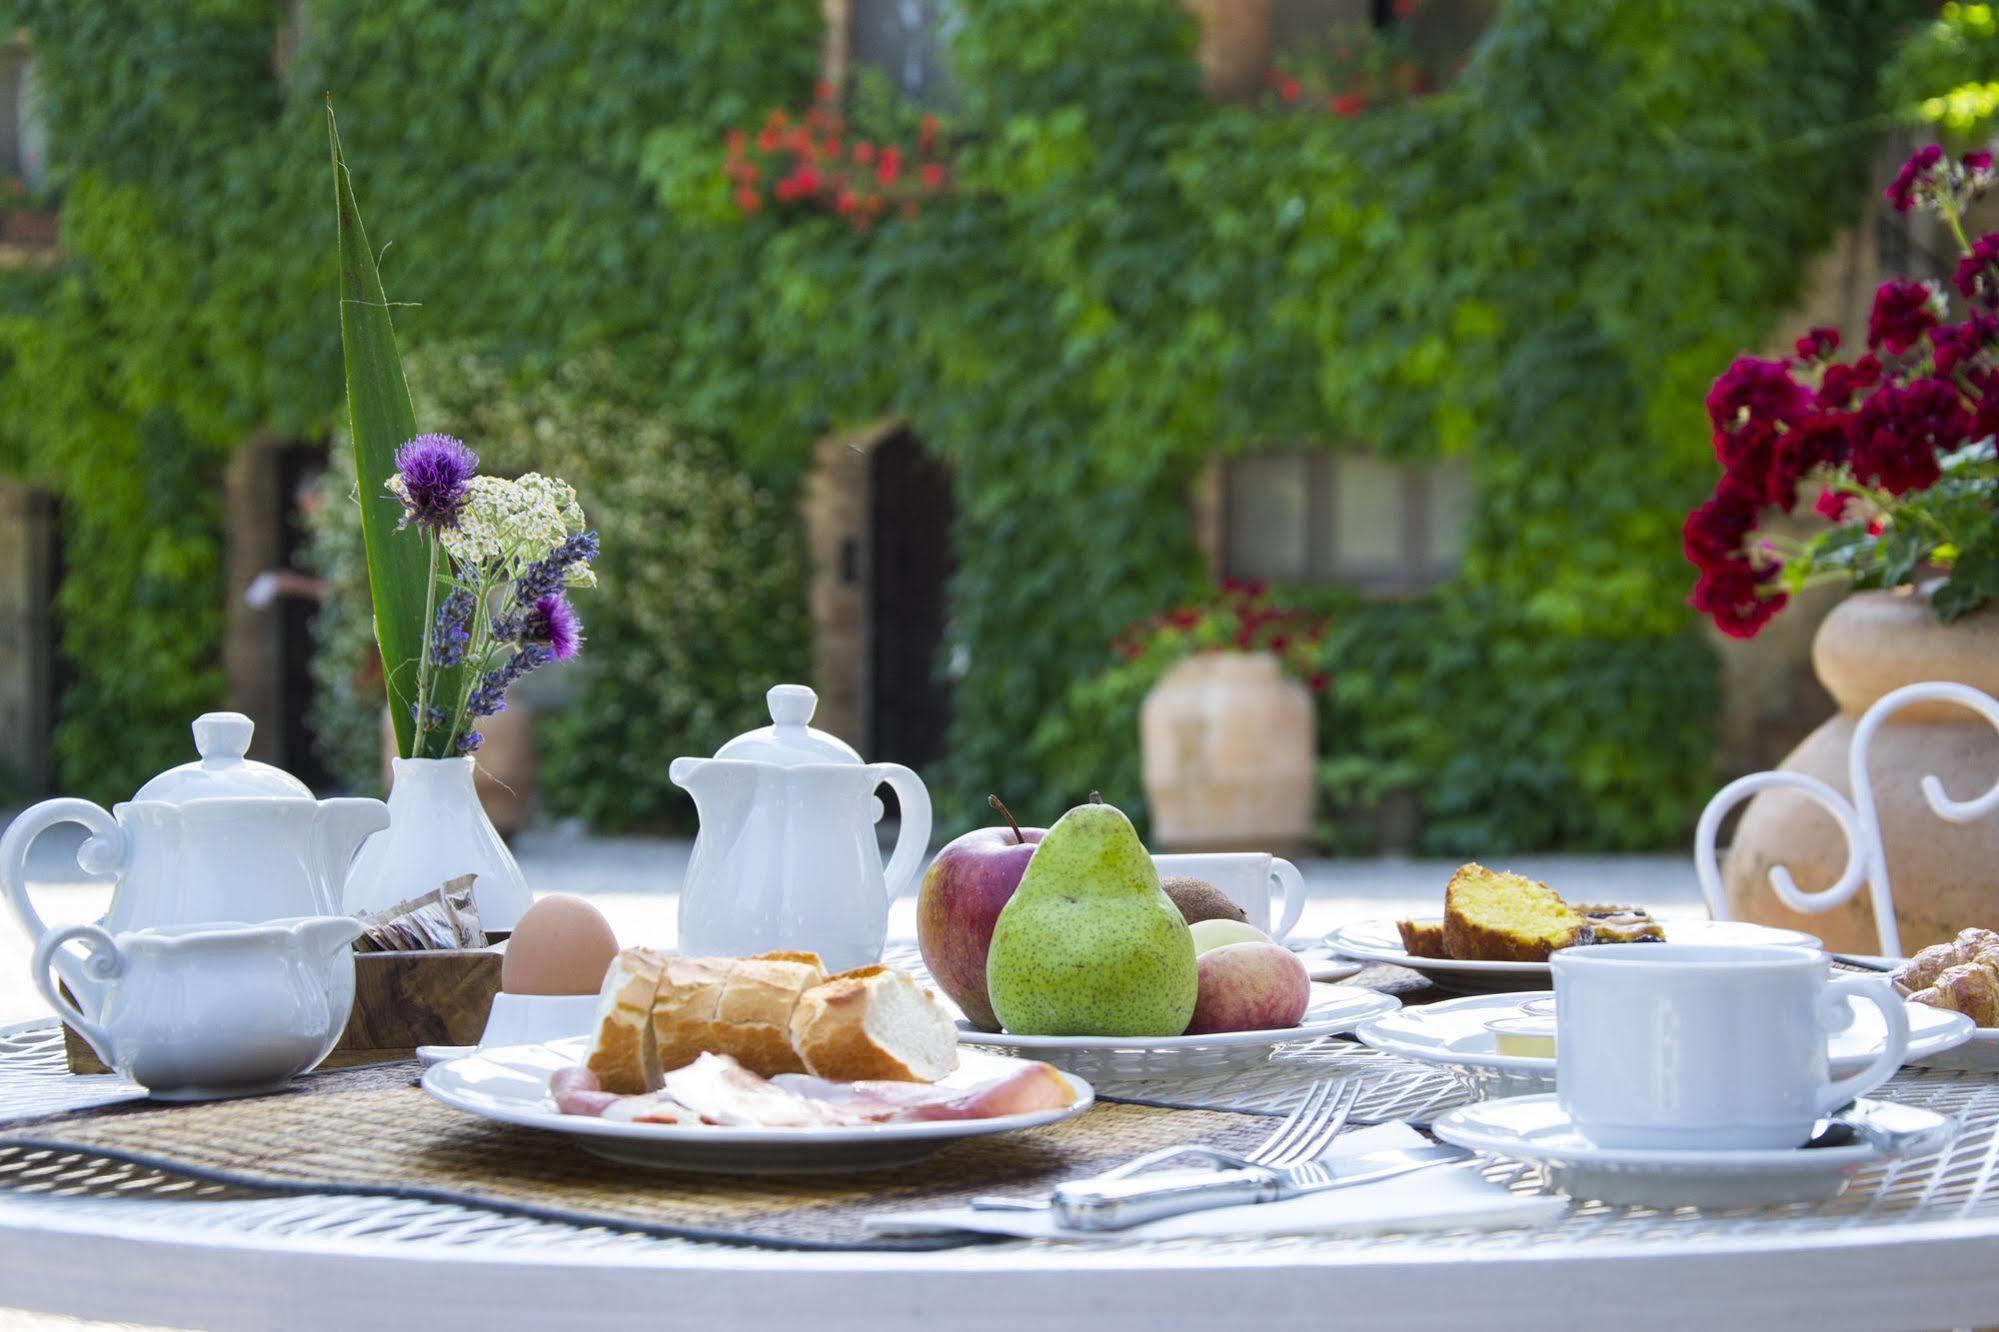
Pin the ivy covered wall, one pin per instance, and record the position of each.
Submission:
(1536, 269)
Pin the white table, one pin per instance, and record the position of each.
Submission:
(1913, 1246)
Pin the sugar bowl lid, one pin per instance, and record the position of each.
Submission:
(788, 741)
(222, 739)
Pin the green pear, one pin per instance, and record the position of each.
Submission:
(1089, 945)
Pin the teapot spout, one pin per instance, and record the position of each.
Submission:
(344, 824)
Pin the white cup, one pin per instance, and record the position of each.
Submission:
(1250, 879)
(1684, 1046)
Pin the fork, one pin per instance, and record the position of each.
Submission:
(1312, 1124)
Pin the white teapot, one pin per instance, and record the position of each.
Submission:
(786, 857)
(221, 839)
(198, 1012)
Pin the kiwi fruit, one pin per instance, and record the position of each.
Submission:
(1200, 900)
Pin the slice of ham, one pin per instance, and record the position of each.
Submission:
(715, 1089)
(577, 1092)
(1022, 1092)
(722, 1091)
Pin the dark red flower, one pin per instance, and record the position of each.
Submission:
(1348, 104)
(1916, 175)
(1756, 392)
(1954, 345)
(1818, 345)
(1832, 504)
(1841, 382)
(889, 166)
(1901, 428)
(932, 176)
(1819, 441)
(1903, 311)
(1288, 89)
(1317, 681)
(1974, 278)
(1713, 534)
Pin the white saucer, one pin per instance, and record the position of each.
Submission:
(1379, 941)
(1978, 1054)
(1535, 1129)
(1453, 1034)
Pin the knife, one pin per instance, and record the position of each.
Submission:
(1117, 1204)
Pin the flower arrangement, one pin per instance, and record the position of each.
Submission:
(1897, 442)
(507, 551)
(1239, 617)
(813, 163)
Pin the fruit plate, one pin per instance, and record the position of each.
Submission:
(1378, 941)
(1332, 1010)
(510, 1085)
(1453, 1034)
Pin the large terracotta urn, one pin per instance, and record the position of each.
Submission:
(1945, 875)
(1229, 745)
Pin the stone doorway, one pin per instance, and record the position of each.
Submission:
(878, 512)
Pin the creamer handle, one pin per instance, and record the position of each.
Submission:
(103, 964)
(103, 853)
(912, 842)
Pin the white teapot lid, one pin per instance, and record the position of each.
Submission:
(222, 739)
(788, 741)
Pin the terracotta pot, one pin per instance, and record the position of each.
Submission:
(505, 774)
(1234, 49)
(1945, 875)
(1229, 748)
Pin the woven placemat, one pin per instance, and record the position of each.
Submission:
(373, 1132)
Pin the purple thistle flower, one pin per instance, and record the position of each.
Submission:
(453, 631)
(551, 621)
(469, 742)
(433, 470)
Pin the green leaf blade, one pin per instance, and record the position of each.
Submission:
(381, 418)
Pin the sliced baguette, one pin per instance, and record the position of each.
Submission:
(733, 1006)
(623, 1054)
(874, 1022)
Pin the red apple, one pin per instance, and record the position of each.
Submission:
(961, 896)
(1249, 987)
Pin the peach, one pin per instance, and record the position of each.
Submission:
(1253, 986)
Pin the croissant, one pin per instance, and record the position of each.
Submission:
(1972, 947)
(1970, 989)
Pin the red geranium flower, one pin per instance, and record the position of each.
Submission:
(1903, 311)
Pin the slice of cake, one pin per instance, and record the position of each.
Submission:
(1422, 938)
(1492, 916)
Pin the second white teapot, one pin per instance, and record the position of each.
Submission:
(786, 857)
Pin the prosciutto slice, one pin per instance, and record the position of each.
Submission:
(715, 1089)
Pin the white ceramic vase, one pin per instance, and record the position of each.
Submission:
(438, 831)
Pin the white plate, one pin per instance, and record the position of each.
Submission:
(1534, 1129)
(1378, 941)
(1332, 1011)
(1452, 1033)
(1978, 1054)
(510, 1085)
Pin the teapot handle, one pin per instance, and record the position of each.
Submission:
(103, 853)
(912, 841)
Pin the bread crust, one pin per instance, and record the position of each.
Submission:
(734, 1006)
(624, 1055)
(831, 1034)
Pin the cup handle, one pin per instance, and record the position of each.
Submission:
(912, 841)
(1285, 873)
(103, 964)
(1879, 992)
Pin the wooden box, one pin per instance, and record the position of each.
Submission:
(401, 1001)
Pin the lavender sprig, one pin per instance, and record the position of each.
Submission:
(550, 574)
(452, 632)
(489, 696)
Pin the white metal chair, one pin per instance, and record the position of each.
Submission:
(1865, 860)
